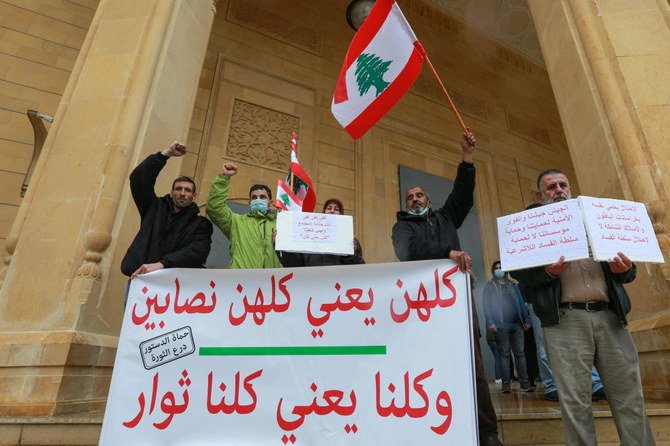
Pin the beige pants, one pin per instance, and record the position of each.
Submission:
(581, 339)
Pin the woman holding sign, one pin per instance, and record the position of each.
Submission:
(296, 259)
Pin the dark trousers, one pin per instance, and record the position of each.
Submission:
(486, 414)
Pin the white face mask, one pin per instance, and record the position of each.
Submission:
(420, 213)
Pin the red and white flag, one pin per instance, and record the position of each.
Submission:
(382, 63)
(301, 197)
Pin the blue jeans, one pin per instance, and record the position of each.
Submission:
(506, 338)
(494, 349)
(543, 361)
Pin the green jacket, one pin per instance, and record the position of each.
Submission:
(250, 234)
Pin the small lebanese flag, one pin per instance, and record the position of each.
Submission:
(382, 63)
(301, 197)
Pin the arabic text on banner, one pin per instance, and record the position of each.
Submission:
(342, 355)
(315, 233)
(617, 226)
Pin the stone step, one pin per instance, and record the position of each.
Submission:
(528, 419)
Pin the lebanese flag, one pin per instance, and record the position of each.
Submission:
(382, 63)
(301, 197)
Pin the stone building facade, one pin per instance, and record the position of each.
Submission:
(233, 78)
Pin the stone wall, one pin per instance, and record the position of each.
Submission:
(271, 69)
(39, 43)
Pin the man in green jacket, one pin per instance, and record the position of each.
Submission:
(250, 234)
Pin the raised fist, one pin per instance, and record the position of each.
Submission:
(228, 169)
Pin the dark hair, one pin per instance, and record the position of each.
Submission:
(543, 174)
(333, 201)
(533, 206)
(184, 179)
(417, 187)
(493, 265)
(261, 186)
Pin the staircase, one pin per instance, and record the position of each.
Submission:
(528, 419)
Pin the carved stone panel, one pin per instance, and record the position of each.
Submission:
(258, 135)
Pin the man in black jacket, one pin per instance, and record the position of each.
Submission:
(172, 234)
(421, 234)
(582, 306)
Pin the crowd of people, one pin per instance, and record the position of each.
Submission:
(575, 310)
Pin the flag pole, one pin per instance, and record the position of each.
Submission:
(294, 144)
(444, 90)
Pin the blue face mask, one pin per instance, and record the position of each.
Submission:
(259, 205)
(498, 273)
(420, 213)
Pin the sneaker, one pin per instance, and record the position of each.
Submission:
(526, 386)
(498, 380)
(551, 395)
(599, 395)
(506, 387)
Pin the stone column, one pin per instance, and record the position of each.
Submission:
(608, 62)
(131, 92)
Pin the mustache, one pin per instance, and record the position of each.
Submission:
(553, 199)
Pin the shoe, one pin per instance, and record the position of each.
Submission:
(489, 440)
(526, 386)
(498, 381)
(551, 395)
(506, 387)
(599, 395)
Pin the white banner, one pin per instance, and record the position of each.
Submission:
(342, 355)
(540, 236)
(617, 226)
(577, 229)
(315, 233)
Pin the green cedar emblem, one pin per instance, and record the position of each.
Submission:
(284, 199)
(370, 70)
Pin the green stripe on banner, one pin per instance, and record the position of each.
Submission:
(294, 351)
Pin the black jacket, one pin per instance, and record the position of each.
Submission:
(544, 292)
(180, 240)
(298, 259)
(434, 236)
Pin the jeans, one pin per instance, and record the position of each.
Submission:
(494, 349)
(511, 337)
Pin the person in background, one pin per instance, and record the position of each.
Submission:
(507, 318)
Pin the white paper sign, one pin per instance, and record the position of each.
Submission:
(330, 356)
(542, 235)
(619, 226)
(315, 233)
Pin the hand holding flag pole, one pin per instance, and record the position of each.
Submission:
(382, 62)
